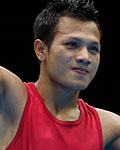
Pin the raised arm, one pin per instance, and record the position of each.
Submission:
(12, 90)
(13, 96)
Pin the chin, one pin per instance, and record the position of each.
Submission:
(75, 85)
(79, 87)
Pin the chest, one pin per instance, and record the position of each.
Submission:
(39, 129)
(48, 133)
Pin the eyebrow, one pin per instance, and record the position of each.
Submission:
(82, 40)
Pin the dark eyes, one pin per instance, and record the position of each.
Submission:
(74, 45)
(71, 45)
(93, 49)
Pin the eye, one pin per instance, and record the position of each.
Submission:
(94, 50)
(71, 45)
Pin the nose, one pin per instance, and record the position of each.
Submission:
(83, 57)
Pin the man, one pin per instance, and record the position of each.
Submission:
(48, 115)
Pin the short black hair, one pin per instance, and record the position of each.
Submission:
(47, 20)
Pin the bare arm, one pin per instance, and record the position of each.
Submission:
(114, 144)
(111, 129)
(13, 92)
(13, 96)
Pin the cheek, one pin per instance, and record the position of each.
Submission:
(57, 66)
(95, 66)
(97, 63)
(61, 59)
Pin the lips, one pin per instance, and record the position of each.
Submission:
(80, 70)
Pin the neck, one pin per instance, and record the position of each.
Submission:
(57, 98)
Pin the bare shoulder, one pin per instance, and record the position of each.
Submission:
(13, 93)
(110, 123)
(108, 117)
(13, 96)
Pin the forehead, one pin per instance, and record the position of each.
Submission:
(69, 26)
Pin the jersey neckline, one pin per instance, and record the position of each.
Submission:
(61, 122)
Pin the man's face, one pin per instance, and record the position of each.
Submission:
(74, 55)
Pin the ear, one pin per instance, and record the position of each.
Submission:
(40, 49)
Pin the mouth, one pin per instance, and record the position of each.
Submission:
(80, 70)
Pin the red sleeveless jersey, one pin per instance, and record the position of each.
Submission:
(40, 130)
